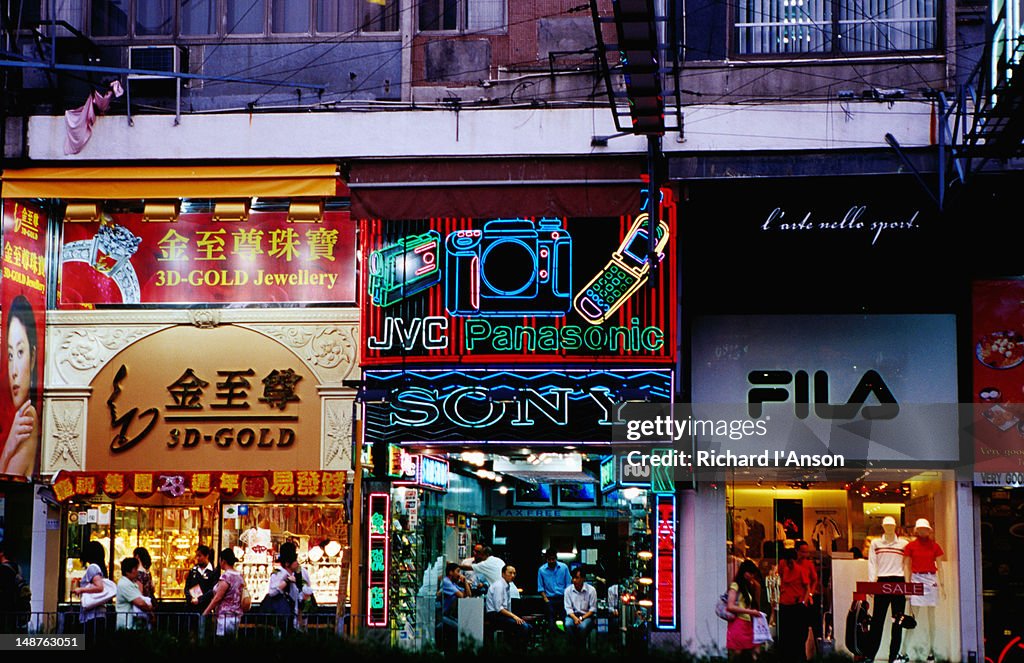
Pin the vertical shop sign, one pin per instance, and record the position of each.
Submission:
(662, 480)
(23, 302)
(665, 563)
(377, 549)
(607, 474)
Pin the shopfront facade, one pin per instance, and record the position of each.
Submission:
(203, 324)
(851, 363)
(504, 347)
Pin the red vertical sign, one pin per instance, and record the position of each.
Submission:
(23, 303)
(665, 566)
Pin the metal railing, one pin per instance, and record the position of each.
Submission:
(188, 626)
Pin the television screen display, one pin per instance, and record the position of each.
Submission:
(533, 495)
(577, 495)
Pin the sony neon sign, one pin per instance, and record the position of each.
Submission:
(504, 405)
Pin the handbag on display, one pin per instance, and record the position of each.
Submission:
(96, 599)
(906, 621)
(858, 627)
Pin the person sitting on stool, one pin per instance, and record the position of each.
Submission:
(580, 608)
(498, 606)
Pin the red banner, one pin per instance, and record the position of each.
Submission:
(248, 485)
(23, 300)
(196, 260)
(905, 588)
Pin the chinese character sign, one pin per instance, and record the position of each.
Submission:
(245, 403)
(379, 517)
(122, 260)
(23, 301)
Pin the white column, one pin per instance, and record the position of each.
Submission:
(45, 571)
(702, 568)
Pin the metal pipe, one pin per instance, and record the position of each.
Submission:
(29, 64)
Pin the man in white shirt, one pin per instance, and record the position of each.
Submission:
(489, 567)
(580, 608)
(498, 606)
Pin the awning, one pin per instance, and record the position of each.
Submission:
(480, 188)
(134, 182)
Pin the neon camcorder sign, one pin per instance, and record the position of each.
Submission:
(468, 290)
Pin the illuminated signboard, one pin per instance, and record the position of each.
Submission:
(498, 406)
(378, 532)
(245, 403)
(514, 289)
(424, 472)
(607, 474)
(634, 474)
(665, 563)
(124, 260)
(23, 303)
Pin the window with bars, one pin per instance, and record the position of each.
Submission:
(460, 15)
(210, 18)
(778, 27)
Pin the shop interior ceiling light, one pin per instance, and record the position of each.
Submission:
(645, 603)
(332, 548)
(645, 554)
(646, 581)
(316, 553)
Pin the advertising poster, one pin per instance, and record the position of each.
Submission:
(197, 260)
(519, 289)
(997, 357)
(23, 303)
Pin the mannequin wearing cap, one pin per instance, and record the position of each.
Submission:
(886, 564)
(920, 563)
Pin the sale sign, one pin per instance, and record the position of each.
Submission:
(196, 260)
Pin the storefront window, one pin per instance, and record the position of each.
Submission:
(831, 527)
(320, 532)
(170, 534)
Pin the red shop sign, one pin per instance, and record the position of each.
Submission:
(196, 260)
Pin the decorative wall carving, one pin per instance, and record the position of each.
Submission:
(65, 437)
(81, 352)
(337, 434)
(204, 318)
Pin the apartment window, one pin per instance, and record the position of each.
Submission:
(378, 16)
(154, 17)
(241, 18)
(770, 27)
(245, 17)
(109, 18)
(461, 15)
(198, 17)
(335, 16)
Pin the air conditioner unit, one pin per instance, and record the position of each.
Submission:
(154, 58)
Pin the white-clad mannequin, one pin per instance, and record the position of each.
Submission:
(920, 561)
(886, 564)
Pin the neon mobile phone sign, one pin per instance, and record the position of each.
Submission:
(515, 289)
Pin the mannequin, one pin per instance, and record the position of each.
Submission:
(920, 562)
(886, 564)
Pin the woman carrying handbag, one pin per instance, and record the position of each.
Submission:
(744, 593)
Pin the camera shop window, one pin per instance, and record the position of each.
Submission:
(835, 27)
(461, 15)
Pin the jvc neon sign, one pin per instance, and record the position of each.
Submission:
(474, 407)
